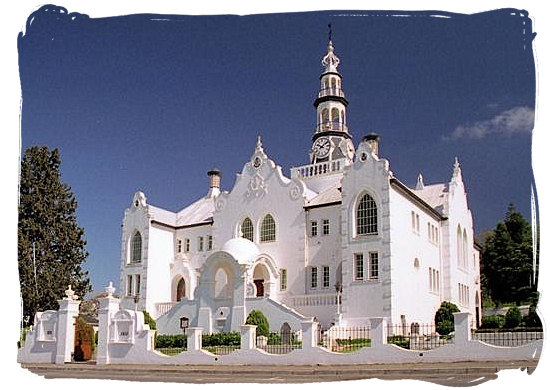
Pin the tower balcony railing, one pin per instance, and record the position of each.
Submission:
(318, 169)
(332, 91)
(331, 126)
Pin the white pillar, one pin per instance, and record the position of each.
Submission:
(248, 336)
(194, 339)
(309, 334)
(379, 331)
(108, 306)
(463, 328)
(66, 315)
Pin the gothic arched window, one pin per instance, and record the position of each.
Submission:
(267, 229)
(135, 247)
(247, 229)
(366, 216)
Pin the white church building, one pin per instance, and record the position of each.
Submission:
(341, 239)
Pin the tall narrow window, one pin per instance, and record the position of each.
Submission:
(179, 246)
(358, 266)
(209, 243)
(326, 276)
(129, 285)
(373, 265)
(138, 284)
(326, 227)
(200, 244)
(267, 229)
(136, 248)
(187, 246)
(367, 216)
(247, 229)
(313, 277)
(313, 228)
(283, 279)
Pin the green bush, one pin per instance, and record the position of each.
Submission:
(512, 318)
(222, 338)
(149, 320)
(171, 341)
(256, 317)
(492, 322)
(400, 341)
(444, 318)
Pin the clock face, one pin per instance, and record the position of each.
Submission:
(321, 147)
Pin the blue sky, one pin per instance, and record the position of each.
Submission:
(152, 102)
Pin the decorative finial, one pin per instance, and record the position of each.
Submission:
(70, 293)
(110, 289)
(457, 172)
(420, 182)
(329, 32)
(259, 142)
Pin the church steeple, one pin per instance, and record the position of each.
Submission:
(331, 139)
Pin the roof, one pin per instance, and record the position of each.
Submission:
(198, 212)
(434, 195)
(330, 196)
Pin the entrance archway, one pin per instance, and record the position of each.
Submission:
(260, 276)
(180, 290)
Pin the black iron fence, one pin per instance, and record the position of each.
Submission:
(345, 340)
(279, 342)
(419, 337)
(508, 337)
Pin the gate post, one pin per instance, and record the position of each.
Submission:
(108, 306)
(66, 315)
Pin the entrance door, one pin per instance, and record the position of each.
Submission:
(259, 283)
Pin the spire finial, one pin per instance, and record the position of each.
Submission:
(330, 32)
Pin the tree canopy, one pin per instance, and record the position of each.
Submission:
(509, 275)
(51, 245)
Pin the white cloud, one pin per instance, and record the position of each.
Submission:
(517, 120)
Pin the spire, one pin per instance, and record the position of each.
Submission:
(330, 61)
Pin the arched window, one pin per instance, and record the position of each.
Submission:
(332, 82)
(464, 249)
(335, 113)
(135, 247)
(180, 290)
(367, 216)
(324, 115)
(267, 229)
(247, 229)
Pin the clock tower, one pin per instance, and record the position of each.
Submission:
(331, 140)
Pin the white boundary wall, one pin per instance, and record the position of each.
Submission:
(123, 338)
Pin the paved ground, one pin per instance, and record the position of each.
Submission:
(450, 374)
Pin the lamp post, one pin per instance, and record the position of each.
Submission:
(338, 288)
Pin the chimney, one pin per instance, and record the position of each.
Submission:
(215, 181)
(372, 139)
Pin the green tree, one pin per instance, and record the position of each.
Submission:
(507, 260)
(51, 245)
(444, 318)
(256, 317)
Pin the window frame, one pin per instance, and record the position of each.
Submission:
(366, 216)
(268, 229)
(136, 248)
